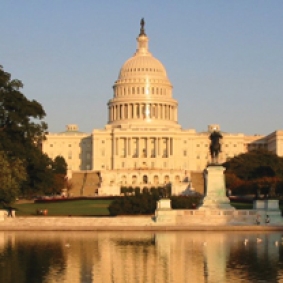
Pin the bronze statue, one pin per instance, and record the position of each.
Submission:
(215, 146)
(142, 32)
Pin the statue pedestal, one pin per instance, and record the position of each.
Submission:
(215, 189)
(164, 204)
(164, 213)
(3, 215)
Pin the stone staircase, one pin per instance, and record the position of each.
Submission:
(84, 184)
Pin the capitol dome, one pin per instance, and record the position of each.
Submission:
(142, 90)
(142, 64)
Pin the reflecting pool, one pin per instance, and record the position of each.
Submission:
(121, 257)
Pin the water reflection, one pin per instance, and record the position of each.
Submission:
(123, 257)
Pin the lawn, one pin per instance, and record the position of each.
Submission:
(66, 208)
(83, 208)
(242, 205)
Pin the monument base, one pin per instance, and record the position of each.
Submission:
(268, 209)
(215, 189)
(164, 213)
(3, 215)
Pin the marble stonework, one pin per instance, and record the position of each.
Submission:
(142, 143)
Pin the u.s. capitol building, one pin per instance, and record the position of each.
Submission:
(142, 143)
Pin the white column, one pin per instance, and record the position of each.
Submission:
(129, 147)
(156, 147)
(134, 111)
(148, 153)
(117, 146)
(129, 111)
(167, 147)
(140, 107)
(124, 144)
(117, 112)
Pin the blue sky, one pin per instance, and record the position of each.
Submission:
(223, 57)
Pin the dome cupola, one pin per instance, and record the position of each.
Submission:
(142, 89)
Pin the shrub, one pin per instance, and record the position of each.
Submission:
(145, 203)
(129, 205)
(186, 202)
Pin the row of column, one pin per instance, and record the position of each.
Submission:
(142, 111)
(120, 91)
(143, 147)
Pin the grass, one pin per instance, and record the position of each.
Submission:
(66, 208)
(83, 208)
(242, 205)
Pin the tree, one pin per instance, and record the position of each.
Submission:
(19, 128)
(59, 170)
(21, 132)
(12, 175)
(256, 171)
(60, 165)
(254, 164)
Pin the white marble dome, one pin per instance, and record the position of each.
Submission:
(142, 74)
(142, 64)
(142, 92)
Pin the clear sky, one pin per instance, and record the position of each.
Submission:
(223, 57)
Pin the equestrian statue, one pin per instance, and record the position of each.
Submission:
(215, 146)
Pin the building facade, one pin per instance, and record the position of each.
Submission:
(142, 143)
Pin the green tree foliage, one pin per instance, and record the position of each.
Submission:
(255, 171)
(21, 124)
(12, 174)
(186, 202)
(22, 130)
(255, 164)
(59, 171)
(60, 165)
